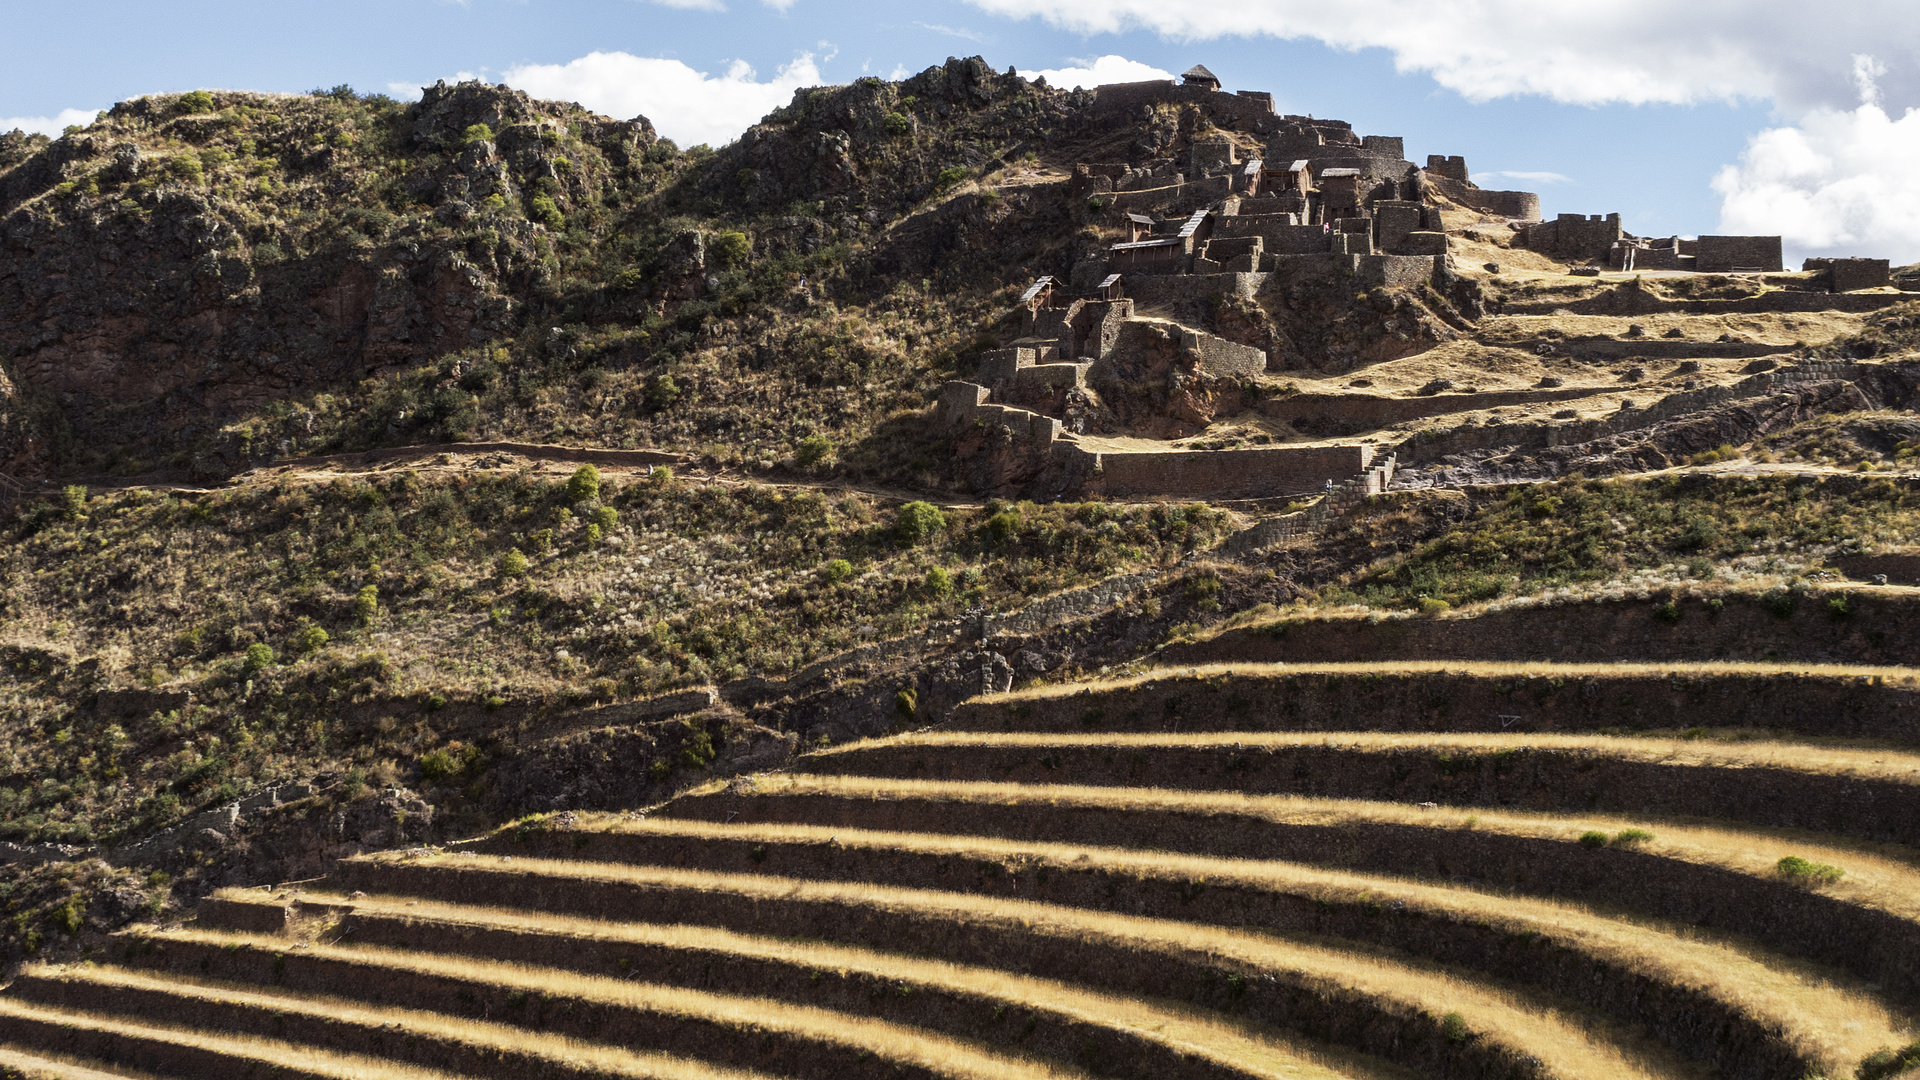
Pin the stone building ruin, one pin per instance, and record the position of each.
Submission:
(1256, 203)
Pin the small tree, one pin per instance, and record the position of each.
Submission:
(917, 522)
(198, 101)
(729, 248)
(513, 564)
(476, 133)
(366, 605)
(73, 500)
(606, 517)
(584, 484)
(311, 639)
(812, 450)
(259, 655)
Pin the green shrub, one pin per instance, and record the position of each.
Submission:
(917, 522)
(606, 517)
(186, 167)
(1630, 837)
(541, 208)
(541, 540)
(698, 750)
(198, 101)
(1453, 1028)
(663, 393)
(1003, 526)
(729, 248)
(1593, 838)
(949, 177)
(584, 484)
(1668, 612)
(1891, 1061)
(259, 655)
(1840, 608)
(493, 202)
(476, 133)
(812, 450)
(366, 605)
(448, 762)
(70, 916)
(1431, 605)
(1805, 871)
(907, 703)
(938, 582)
(837, 571)
(897, 124)
(513, 564)
(628, 280)
(311, 639)
(73, 500)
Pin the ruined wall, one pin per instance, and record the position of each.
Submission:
(1725, 254)
(1258, 472)
(1522, 205)
(1277, 233)
(1452, 168)
(1573, 236)
(1393, 270)
(1392, 221)
(1846, 275)
(1222, 358)
(1148, 291)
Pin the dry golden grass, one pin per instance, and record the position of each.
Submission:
(906, 1046)
(55, 1067)
(1874, 764)
(1827, 1021)
(1187, 1031)
(270, 1054)
(1570, 1044)
(567, 1052)
(1483, 669)
(1883, 876)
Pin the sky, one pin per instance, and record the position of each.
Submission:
(1703, 116)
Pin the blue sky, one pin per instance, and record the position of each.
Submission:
(1633, 117)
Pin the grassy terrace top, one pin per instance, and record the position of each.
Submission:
(1481, 669)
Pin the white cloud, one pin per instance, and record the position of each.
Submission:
(50, 126)
(1100, 72)
(960, 32)
(1838, 183)
(685, 105)
(1535, 177)
(1636, 51)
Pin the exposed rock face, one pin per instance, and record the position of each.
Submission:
(885, 144)
(151, 289)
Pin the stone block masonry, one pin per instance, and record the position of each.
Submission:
(1733, 254)
(1255, 472)
(1846, 275)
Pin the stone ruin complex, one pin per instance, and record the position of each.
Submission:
(1258, 201)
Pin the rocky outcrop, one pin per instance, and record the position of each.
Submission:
(169, 269)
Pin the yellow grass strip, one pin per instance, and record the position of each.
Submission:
(1486, 669)
(907, 1046)
(1513, 1019)
(1796, 757)
(272, 1053)
(1188, 1031)
(1883, 876)
(1828, 1022)
(56, 1067)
